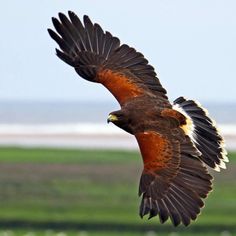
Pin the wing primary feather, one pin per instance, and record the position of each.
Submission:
(62, 31)
(79, 28)
(89, 32)
(71, 30)
(96, 39)
(183, 214)
(189, 203)
(174, 214)
(107, 45)
(188, 197)
(64, 57)
(100, 38)
(62, 44)
(163, 213)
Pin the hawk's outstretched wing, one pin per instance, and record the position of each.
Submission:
(97, 56)
(174, 181)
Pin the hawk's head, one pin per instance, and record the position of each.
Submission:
(120, 119)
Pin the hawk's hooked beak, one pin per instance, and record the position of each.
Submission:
(111, 118)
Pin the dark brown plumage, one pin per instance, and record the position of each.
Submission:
(176, 141)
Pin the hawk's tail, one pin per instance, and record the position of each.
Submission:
(203, 132)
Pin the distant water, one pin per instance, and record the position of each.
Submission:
(54, 112)
(86, 112)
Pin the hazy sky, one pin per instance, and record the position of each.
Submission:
(191, 44)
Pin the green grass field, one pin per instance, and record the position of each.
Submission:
(80, 192)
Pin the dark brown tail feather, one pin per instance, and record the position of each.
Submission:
(183, 200)
(206, 137)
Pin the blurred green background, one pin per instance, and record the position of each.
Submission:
(83, 192)
(94, 192)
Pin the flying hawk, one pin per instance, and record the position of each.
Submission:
(177, 141)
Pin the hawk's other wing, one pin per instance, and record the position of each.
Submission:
(174, 180)
(97, 56)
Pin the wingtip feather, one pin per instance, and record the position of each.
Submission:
(217, 168)
(87, 19)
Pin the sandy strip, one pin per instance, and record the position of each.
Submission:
(101, 141)
(115, 141)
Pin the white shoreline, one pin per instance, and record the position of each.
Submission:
(82, 135)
